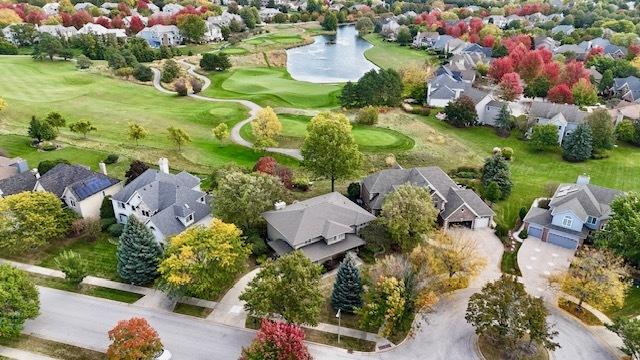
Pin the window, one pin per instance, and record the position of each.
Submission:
(122, 205)
(190, 218)
(567, 221)
(591, 220)
(145, 213)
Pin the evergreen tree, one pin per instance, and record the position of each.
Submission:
(347, 290)
(577, 146)
(503, 120)
(138, 253)
(496, 169)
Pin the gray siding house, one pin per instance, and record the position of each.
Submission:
(573, 212)
(566, 117)
(457, 206)
(323, 227)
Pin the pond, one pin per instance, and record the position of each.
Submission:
(331, 58)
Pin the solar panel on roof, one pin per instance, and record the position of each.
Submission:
(91, 186)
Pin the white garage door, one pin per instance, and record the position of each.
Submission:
(481, 223)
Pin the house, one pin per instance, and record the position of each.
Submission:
(159, 35)
(625, 110)
(172, 9)
(81, 189)
(224, 19)
(545, 42)
(449, 44)
(60, 31)
(486, 52)
(456, 205)
(18, 183)
(213, 33)
(51, 8)
(564, 29)
(578, 51)
(627, 88)
(425, 39)
(497, 20)
(267, 14)
(12, 166)
(97, 29)
(390, 29)
(444, 88)
(484, 103)
(83, 6)
(109, 5)
(7, 33)
(323, 227)
(166, 203)
(566, 117)
(574, 211)
(594, 75)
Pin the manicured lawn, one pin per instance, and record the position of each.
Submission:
(387, 54)
(533, 172)
(631, 306)
(96, 291)
(192, 310)
(509, 264)
(272, 87)
(284, 38)
(51, 348)
(35, 88)
(232, 50)
(368, 138)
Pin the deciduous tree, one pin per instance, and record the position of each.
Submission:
(364, 25)
(461, 112)
(510, 86)
(329, 148)
(221, 132)
(215, 61)
(136, 132)
(55, 119)
(601, 124)
(499, 67)
(178, 136)
(622, 233)
(560, 94)
(330, 22)
(265, 128)
(277, 340)
(544, 137)
(136, 168)
(289, 287)
(629, 332)
(19, 299)
(203, 261)
(138, 253)
(82, 127)
(41, 130)
(133, 339)
(584, 94)
(192, 27)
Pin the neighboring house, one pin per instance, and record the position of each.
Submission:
(627, 88)
(83, 6)
(573, 212)
(7, 33)
(456, 205)
(64, 32)
(545, 42)
(18, 183)
(425, 39)
(443, 89)
(51, 8)
(490, 112)
(497, 20)
(594, 75)
(484, 52)
(566, 117)
(481, 100)
(166, 203)
(81, 189)
(578, 51)
(323, 227)
(12, 166)
(625, 110)
(390, 29)
(213, 33)
(565, 29)
(97, 29)
(224, 19)
(267, 14)
(172, 9)
(158, 35)
(109, 5)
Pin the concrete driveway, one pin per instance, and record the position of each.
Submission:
(537, 260)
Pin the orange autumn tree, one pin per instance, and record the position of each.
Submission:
(133, 339)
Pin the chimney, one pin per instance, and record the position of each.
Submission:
(280, 205)
(163, 163)
(36, 173)
(583, 179)
(103, 168)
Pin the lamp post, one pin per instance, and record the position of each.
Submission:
(338, 316)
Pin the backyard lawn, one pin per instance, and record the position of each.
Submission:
(36, 88)
(368, 138)
(387, 54)
(272, 87)
(631, 306)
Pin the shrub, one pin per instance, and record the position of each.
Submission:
(215, 62)
(142, 73)
(111, 159)
(124, 71)
(83, 62)
(105, 223)
(47, 165)
(48, 146)
(258, 245)
(523, 234)
(181, 87)
(599, 154)
(196, 85)
(115, 230)
(367, 116)
(170, 71)
(501, 231)
(523, 212)
(133, 339)
(106, 209)
(301, 183)
(7, 48)
(421, 110)
(507, 153)
(72, 265)
(353, 191)
(90, 227)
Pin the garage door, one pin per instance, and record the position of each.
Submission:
(565, 242)
(481, 223)
(535, 232)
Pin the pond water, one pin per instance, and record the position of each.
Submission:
(331, 59)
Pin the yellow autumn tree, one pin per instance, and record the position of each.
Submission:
(384, 305)
(414, 80)
(9, 17)
(202, 261)
(265, 128)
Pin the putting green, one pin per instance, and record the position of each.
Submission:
(272, 87)
(233, 50)
(368, 138)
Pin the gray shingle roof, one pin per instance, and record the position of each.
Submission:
(319, 250)
(80, 180)
(476, 95)
(151, 175)
(547, 110)
(18, 183)
(583, 200)
(326, 215)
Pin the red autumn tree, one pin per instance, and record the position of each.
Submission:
(266, 164)
(142, 5)
(67, 20)
(80, 18)
(516, 54)
(488, 41)
(546, 54)
(285, 175)
(133, 339)
(474, 38)
(278, 341)
(514, 41)
(574, 71)
(510, 86)
(634, 49)
(475, 25)
(124, 9)
(135, 25)
(158, 19)
(560, 94)
(595, 51)
(552, 72)
(531, 65)
(499, 67)
(35, 17)
(117, 22)
(104, 21)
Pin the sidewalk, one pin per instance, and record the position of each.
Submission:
(17, 354)
(230, 310)
(358, 334)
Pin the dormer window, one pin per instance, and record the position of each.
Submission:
(190, 218)
(567, 221)
(591, 220)
(145, 213)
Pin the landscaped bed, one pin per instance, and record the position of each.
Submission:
(192, 310)
(101, 292)
(583, 314)
(492, 352)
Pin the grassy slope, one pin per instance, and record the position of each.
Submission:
(368, 138)
(391, 55)
(533, 172)
(272, 87)
(39, 87)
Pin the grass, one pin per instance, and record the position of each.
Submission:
(509, 263)
(96, 291)
(272, 87)
(631, 306)
(492, 352)
(51, 348)
(368, 138)
(192, 310)
(534, 172)
(36, 88)
(277, 38)
(583, 314)
(387, 54)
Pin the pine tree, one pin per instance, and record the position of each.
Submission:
(578, 145)
(347, 290)
(138, 253)
(496, 169)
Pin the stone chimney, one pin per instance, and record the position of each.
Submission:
(583, 179)
(280, 205)
(163, 163)
(103, 168)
